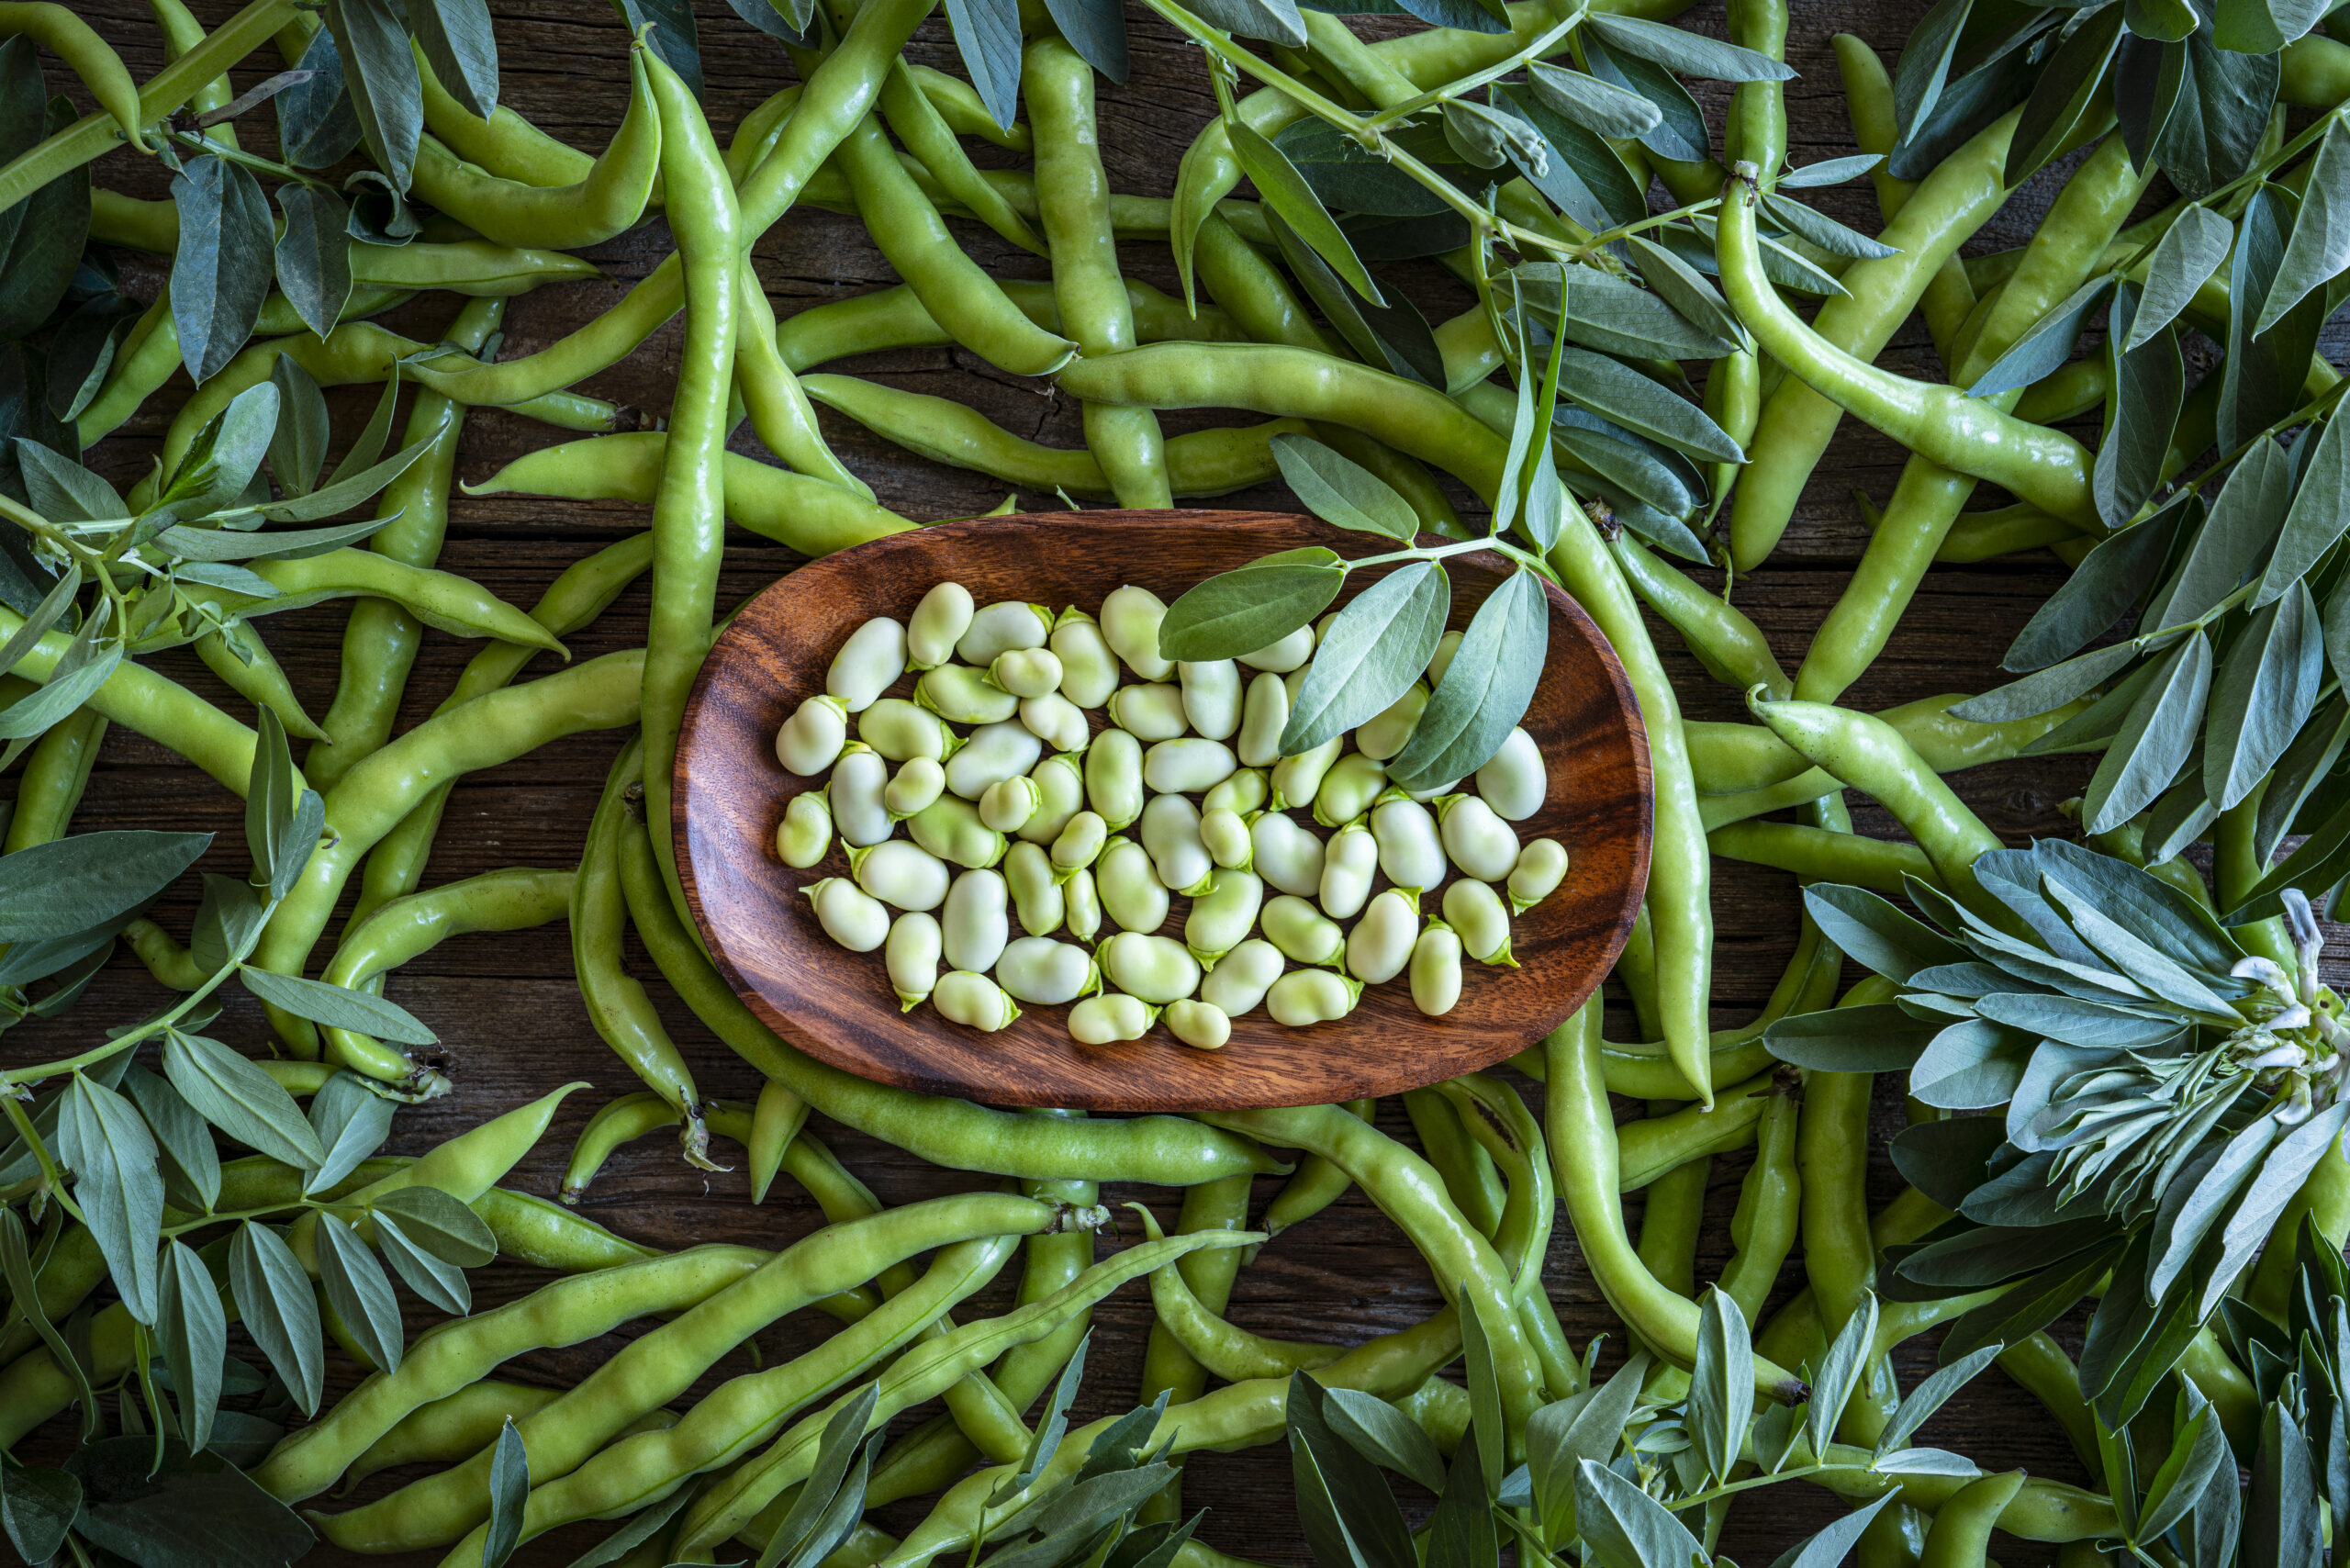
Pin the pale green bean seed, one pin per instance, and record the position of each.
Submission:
(1297, 779)
(1240, 979)
(1036, 892)
(973, 1001)
(902, 731)
(1226, 837)
(1200, 1025)
(849, 916)
(916, 785)
(1353, 782)
(1045, 973)
(1285, 656)
(1381, 943)
(1171, 831)
(855, 792)
(1026, 672)
(1113, 776)
(1061, 795)
(1109, 1018)
(806, 831)
(1132, 894)
(950, 828)
(1409, 852)
(1243, 794)
(1302, 933)
(938, 624)
(1000, 628)
(1149, 713)
(1262, 718)
(1190, 765)
(1390, 730)
(1436, 970)
(1221, 919)
(1513, 780)
(1079, 843)
(898, 873)
(1479, 842)
(1349, 857)
(1009, 803)
(1056, 720)
(1089, 669)
(962, 695)
(974, 927)
(913, 959)
(867, 663)
(1083, 901)
(1302, 998)
(811, 739)
(1441, 660)
(989, 755)
(1541, 867)
(1285, 854)
(1211, 697)
(1474, 910)
(1156, 968)
(1130, 619)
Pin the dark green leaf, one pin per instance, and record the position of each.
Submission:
(101, 1139)
(2265, 689)
(1691, 54)
(1273, 19)
(1684, 288)
(1623, 1527)
(1383, 1435)
(1865, 925)
(2049, 343)
(844, 1431)
(297, 450)
(339, 1007)
(41, 238)
(313, 255)
(1462, 1533)
(2252, 507)
(1240, 612)
(239, 1099)
(1097, 30)
(275, 1303)
(1395, 337)
(1484, 690)
(461, 48)
(1486, 1421)
(32, 714)
(2154, 739)
(1609, 388)
(379, 71)
(440, 1224)
(986, 34)
(1344, 1504)
(1337, 490)
(1679, 131)
(2149, 388)
(220, 273)
(2320, 512)
(1350, 177)
(37, 1506)
(180, 1130)
(2198, 1447)
(1823, 230)
(359, 1293)
(2228, 96)
(1830, 171)
(1373, 653)
(193, 1332)
(42, 617)
(2306, 765)
(2073, 73)
(196, 1511)
(1879, 1038)
(1600, 108)
(15, 1264)
(1929, 1396)
(1286, 192)
(2108, 579)
(2263, 371)
(1920, 75)
(2188, 253)
(1722, 1385)
(437, 1280)
(352, 1122)
(219, 544)
(1583, 176)
(316, 126)
(64, 491)
(221, 461)
(2319, 246)
(2281, 1526)
(1613, 315)
(617, 1546)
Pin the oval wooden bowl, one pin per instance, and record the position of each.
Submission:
(730, 794)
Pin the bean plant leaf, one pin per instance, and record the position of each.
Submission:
(1385, 1435)
(1462, 1530)
(1600, 108)
(1830, 171)
(2230, 94)
(274, 1304)
(1337, 490)
(1485, 690)
(2319, 246)
(1722, 1385)
(986, 35)
(2261, 378)
(2109, 580)
(313, 255)
(2266, 688)
(440, 1224)
(1824, 232)
(72, 884)
(380, 73)
(2320, 512)
(37, 1506)
(194, 1333)
(1623, 1527)
(297, 449)
(1679, 131)
(1352, 178)
(1691, 54)
(457, 41)
(2252, 507)
(1097, 30)
(2154, 739)
(1238, 611)
(221, 271)
(359, 1293)
(185, 1137)
(340, 1007)
(1288, 193)
(1583, 176)
(1931, 1396)
(352, 1122)
(437, 1280)
(2149, 388)
(239, 1098)
(1839, 1373)
(2046, 346)
(317, 126)
(103, 1140)
(2075, 69)
(1395, 336)
(1611, 389)
(510, 1490)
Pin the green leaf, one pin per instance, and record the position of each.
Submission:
(297, 450)
(1462, 1533)
(379, 71)
(1338, 490)
(1351, 178)
(2108, 581)
(2198, 1447)
(616, 1546)
(2188, 253)
(239, 1098)
(270, 797)
(1691, 54)
(2320, 512)
(1880, 1038)
(2263, 374)
(221, 271)
(2306, 765)
(352, 1122)
(1371, 655)
(1923, 70)
(37, 1506)
(1395, 337)
(440, 1224)
(1839, 1373)
(33, 713)
(274, 1304)
(1893, 943)
(436, 1280)
(1095, 28)
(2319, 246)
(45, 615)
(2262, 26)
(1347, 1512)
(193, 1332)
(194, 1511)
(184, 1135)
(64, 491)
(1722, 1385)
(1623, 1527)
(2281, 1527)
(847, 1507)
(1679, 131)
(340, 1007)
(2070, 80)
(1276, 20)
(317, 126)
(2154, 739)
(1288, 193)
(1929, 1396)
(2252, 507)
(843, 1433)
(101, 1139)
(1383, 1435)
(1600, 108)
(1823, 230)
(1609, 388)
(1485, 690)
(2046, 346)
(359, 1292)
(2149, 389)
(1684, 288)
(2266, 690)
(1830, 171)
(509, 1491)
(1238, 611)
(461, 48)
(2281, 1179)
(1584, 175)
(1485, 1418)
(15, 1264)
(2232, 94)
(313, 255)
(222, 460)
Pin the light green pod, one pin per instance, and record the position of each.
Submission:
(1156, 968)
(1149, 713)
(1056, 720)
(1303, 933)
(1302, 998)
(1200, 1025)
(962, 695)
(1089, 669)
(1079, 843)
(913, 959)
(1436, 970)
(1009, 803)
(1036, 892)
(1026, 672)
(1109, 1018)
(1477, 840)
(917, 783)
(1513, 780)
(1388, 732)
(1211, 697)
(1243, 794)
(1541, 867)
(1001, 628)
(806, 831)
(1381, 943)
(973, 1001)
(867, 663)
(974, 927)
(1350, 856)
(950, 828)
(904, 875)
(1044, 973)
(849, 916)
(1298, 780)
(1285, 854)
(1132, 894)
(1285, 656)
(1227, 840)
(1474, 910)
(1409, 852)
(938, 622)
(1240, 979)
(1113, 778)
(1221, 920)
(1441, 660)
(1262, 718)
(1061, 795)
(1171, 831)
(1130, 619)
(810, 740)
(1190, 765)
(1082, 901)
(855, 792)
(902, 731)
(989, 755)
(1353, 782)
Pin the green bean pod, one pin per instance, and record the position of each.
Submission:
(1731, 647)
(450, 1428)
(1816, 854)
(442, 601)
(1467, 1170)
(894, 318)
(1318, 1182)
(606, 202)
(57, 770)
(1764, 1228)
(1233, 1354)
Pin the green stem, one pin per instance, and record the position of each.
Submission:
(1540, 47)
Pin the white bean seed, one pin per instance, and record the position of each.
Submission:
(1286, 855)
(1113, 778)
(1061, 795)
(1089, 669)
(1381, 943)
(1080, 842)
(806, 831)
(1149, 713)
(1036, 892)
(1056, 720)
(1009, 803)
(902, 874)
(991, 754)
(962, 695)
(1186, 767)
(1083, 901)
(1409, 851)
(1297, 779)
(914, 786)
(1000, 628)
(853, 792)
(939, 620)
(1221, 920)
(913, 959)
(1284, 655)
(1242, 794)
(867, 663)
(1211, 697)
(1436, 970)
(1156, 968)
(1302, 998)
(1348, 859)
(1441, 660)
(1130, 619)
(1262, 718)
(1513, 780)
(950, 828)
(1479, 842)
(1226, 837)
(1044, 972)
(1107, 1019)
(1474, 910)
(849, 916)
(1302, 931)
(901, 731)
(973, 1001)
(974, 924)
(1171, 831)
(1132, 894)
(1541, 867)
(1390, 730)
(1240, 979)
(1353, 782)
(811, 739)
(1200, 1025)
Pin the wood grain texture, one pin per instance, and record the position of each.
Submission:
(730, 791)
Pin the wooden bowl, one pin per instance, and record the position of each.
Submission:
(730, 794)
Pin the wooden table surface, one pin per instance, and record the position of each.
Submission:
(506, 1005)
